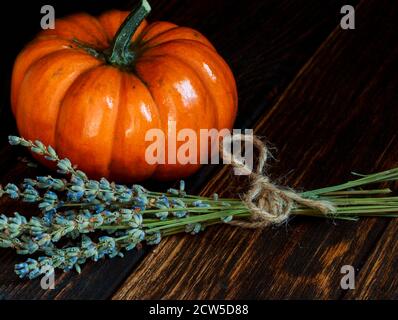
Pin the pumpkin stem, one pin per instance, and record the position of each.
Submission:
(121, 55)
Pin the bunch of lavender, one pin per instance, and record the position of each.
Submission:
(76, 206)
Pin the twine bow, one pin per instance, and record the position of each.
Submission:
(268, 203)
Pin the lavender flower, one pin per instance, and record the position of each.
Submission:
(75, 206)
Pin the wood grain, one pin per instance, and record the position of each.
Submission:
(338, 113)
(377, 278)
(325, 97)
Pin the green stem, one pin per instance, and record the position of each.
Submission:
(196, 219)
(359, 192)
(195, 209)
(388, 175)
(121, 54)
(193, 198)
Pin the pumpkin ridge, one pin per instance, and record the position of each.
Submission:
(87, 31)
(73, 139)
(224, 70)
(159, 172)
(208, 91)
(106, 17)
(156, 35)
(140, 78)
(102, 27)
(230, 80)
(26, 112)
(205, 43)
(121, 101)
(156, 25)
(61, 101)
(68, 26)
(201, 44)
(73, 23)
(15, 92)
(103, 31)
(196, 42)
(131, 109)
(31, 65)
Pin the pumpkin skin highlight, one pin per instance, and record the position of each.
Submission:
(97, 114)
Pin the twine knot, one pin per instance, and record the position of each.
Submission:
(268, 203)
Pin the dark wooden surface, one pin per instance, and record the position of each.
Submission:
(327, 100)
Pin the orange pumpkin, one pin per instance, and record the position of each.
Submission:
(92, 88)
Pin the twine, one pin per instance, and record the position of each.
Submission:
(268, 203)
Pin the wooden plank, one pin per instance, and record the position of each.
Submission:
(338, 114)
(378, 277)
(266, 43)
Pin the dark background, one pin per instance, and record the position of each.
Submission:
(327, 100)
